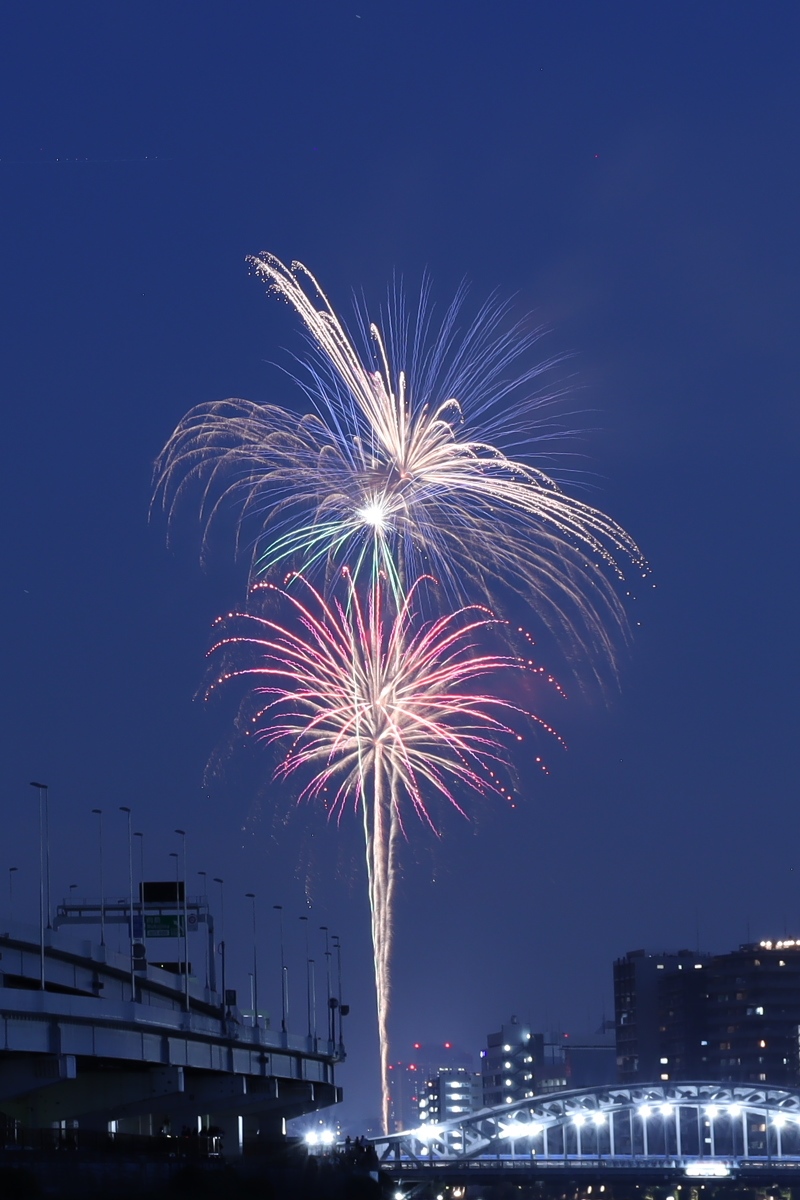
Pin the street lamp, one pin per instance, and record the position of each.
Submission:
(181, 834)
(204, 876)
(221, 883)
(140, 836)
(42, 790)
(284, 976)
(328, 996)
(337, 945)
(124, 808)
(310, 997)
(99, 814)
(252, 896)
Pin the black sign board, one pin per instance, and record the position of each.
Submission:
(170, 892)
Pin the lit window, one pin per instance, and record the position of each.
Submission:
(665, 1076)
(664, 1061)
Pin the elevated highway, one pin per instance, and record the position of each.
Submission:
(86, 1041)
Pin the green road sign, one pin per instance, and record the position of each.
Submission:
(163, 925)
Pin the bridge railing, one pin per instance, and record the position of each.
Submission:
(660, 1122)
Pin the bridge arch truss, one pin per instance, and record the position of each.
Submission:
(670, 1123)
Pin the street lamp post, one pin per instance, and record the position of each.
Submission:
(252, 896)
(284, 976)
(44, 789)
(182, 835)
(124, 808)
(221, 883)
(140, 836)
(337, 945)
(328, 996)
(308, 975)
(41, 788)
(99, 814)
(204, 876)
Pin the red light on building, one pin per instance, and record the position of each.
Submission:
(448, 1046)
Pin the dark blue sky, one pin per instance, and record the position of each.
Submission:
(627, 171)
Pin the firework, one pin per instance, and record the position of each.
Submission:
(415, 456)
(385, 712)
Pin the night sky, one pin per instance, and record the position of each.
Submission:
(628, 172)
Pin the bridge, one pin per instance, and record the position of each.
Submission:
(647, 1133)
(95, 1040)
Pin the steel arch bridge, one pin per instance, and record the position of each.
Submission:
(701, 1130)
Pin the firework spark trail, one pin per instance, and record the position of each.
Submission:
(398, 467)
(377, 705)
(416, 455)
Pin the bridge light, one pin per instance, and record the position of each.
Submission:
(579, 1119)
(312, 1138)
(666, 1110)
(712, 1111)
(710, 1169)
(734, 1110)
(645, 1111)
(327, 1137)
(779, 1120)
(599, 1118)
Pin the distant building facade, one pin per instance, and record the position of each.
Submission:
(408, 1080)
(753, 1014)
(730, 1017)
(657, 998)
(451, 1092)
(509, 1064)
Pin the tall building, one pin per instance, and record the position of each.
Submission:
(753, 1014)
(658, 1001)
(509, 1064)
(407, 1080)
(732, 1018)
(451, 1092)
